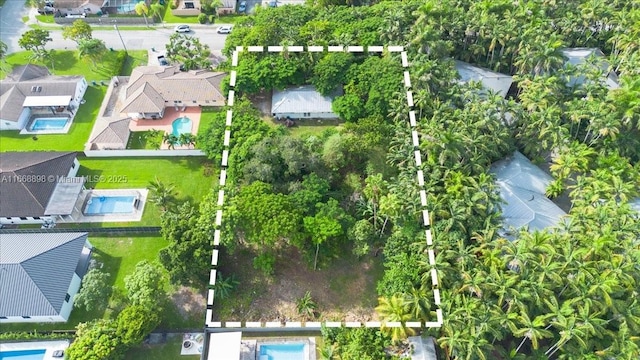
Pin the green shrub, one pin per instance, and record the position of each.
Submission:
(212, 19)
(8, 336)
(174, 4)
(121, 59)
(202, 18)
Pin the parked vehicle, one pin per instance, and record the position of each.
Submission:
(182, 29)
(273, 3)
(163, 60)
(242, 7)
(47, 10)
(224, 30)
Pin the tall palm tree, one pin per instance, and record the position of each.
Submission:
(161, 194)
(395, 309)
(142, 9)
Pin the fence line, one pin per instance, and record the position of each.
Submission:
(143, 153)
(96, 230)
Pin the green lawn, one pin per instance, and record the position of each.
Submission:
(192, 177)
(172, 19)
(230, 19)
(46, 19)
(67, 63)
(167, 351)
(74, 140)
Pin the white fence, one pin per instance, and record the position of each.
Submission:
(142, 153)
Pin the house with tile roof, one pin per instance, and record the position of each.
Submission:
(41, 274)
(151, 89)
(38, 187)
(579, 56)
(30, 92)
(112, 135)
(302, 102)
(522, 187)
(490, 80)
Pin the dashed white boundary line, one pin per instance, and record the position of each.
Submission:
(420, 177)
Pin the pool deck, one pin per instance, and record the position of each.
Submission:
(50, 346)
(79, 217)
(166, 123)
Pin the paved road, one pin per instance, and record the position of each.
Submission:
(140, 39)
(12, 27)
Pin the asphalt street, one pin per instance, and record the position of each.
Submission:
(12, 27)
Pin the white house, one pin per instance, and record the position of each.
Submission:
(41, 274)
(30, 91)
(522, 186)
(490, 80)
(38, 187)
(578, 56)
(302, 102)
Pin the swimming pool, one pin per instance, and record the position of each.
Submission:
(289, 351)
(181, 125)
(23, 355)
(100, 205)
(49, 124)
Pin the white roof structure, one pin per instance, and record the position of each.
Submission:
(490, 80)
(577, 56)
(224, 346)
(522, 186)
(423, 349)
(32, 101)
(302, 99)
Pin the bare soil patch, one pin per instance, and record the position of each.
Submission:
(188, 302)
(344, 290)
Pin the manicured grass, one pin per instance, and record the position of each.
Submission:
(121, 254)
(144, 140)
(230, 19)
(74, 140)
(172, 19)
(67, 63)
(192, 177)
(47, 19)
(167, 351)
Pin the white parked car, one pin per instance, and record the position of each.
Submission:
(224, 30)
(183, 29)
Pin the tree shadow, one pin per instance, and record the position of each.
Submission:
(64, 60)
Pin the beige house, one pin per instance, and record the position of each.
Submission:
(153, 88)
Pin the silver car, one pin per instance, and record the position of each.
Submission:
(182, 29)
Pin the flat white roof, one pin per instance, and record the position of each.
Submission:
(224, 346)
(47, 101)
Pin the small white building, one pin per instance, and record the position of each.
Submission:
(490, 80)
(578, 56)
(38, 187)
(302, 102)
(30, 91)
(41, 274)
(522, 186)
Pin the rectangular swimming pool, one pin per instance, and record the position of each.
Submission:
(49, 124)
(290, 351)
(22, 355)
(99, 205)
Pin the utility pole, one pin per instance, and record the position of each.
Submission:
(115, 26)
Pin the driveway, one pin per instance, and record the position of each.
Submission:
(11, 25)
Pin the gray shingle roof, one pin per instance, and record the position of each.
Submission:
(30, 198)
(490, 80)
(302, 99)
(36, 271)
(19, 83)
(522, 185)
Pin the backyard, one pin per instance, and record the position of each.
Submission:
(344, 290)
(191, 176)
(119, 256)
(67, 63)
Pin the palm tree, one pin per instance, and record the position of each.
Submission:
(224, 285)
(306, 306)
(395, 309)
(171, 140)
(92, 49)
(142, 9)
(161, 194)
(156, 10)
